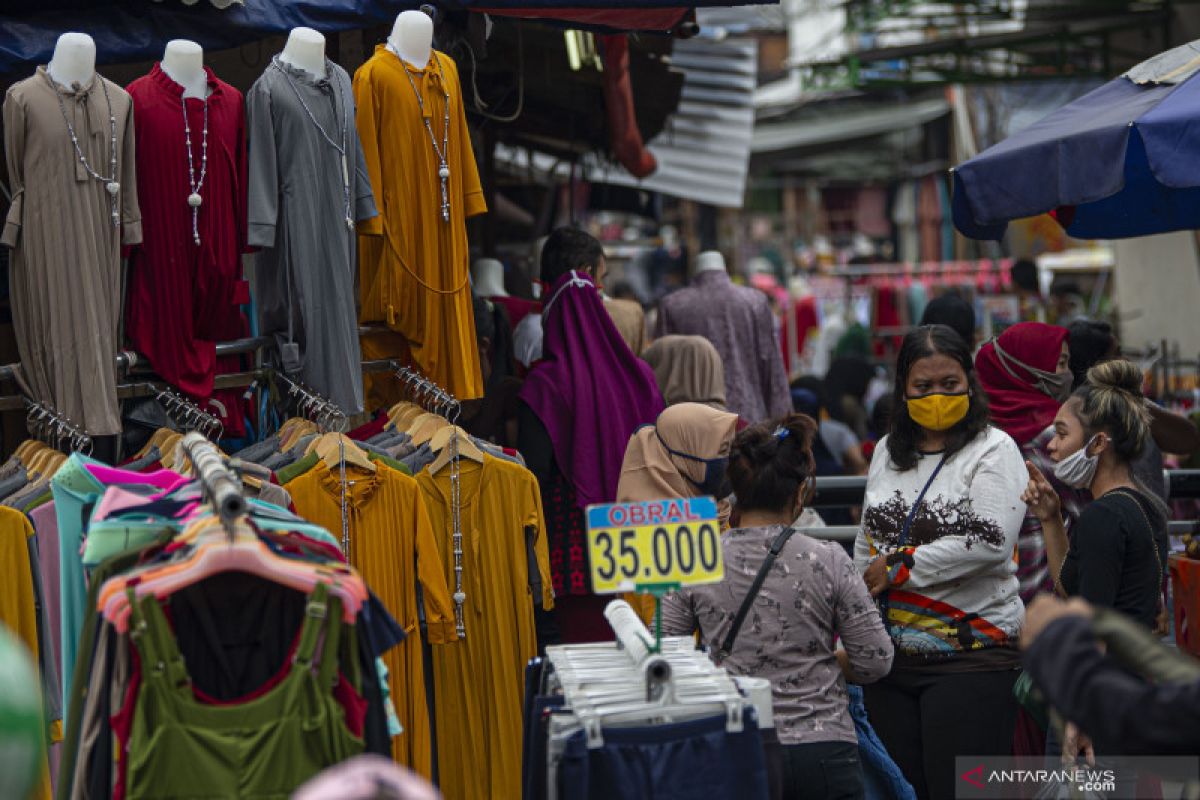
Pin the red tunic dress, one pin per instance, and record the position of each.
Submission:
(183, 298)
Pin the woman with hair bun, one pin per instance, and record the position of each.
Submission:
(938, 542)
(809, 594)
(1116, 556)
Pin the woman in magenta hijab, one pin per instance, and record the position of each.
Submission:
(579, 406)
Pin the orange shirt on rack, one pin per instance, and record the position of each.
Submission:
(413, 265)
(480, 683)
(392, 546)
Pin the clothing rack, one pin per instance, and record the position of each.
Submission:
(46, 423)
(312, 406)
(221, 485)
(186, 414)
(428, 394)
(597, 689)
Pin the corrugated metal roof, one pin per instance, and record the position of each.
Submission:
(704, 151)
(842, 126)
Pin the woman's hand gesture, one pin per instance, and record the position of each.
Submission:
(1040, 496)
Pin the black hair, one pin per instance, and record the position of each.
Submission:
(1091, 342)
(769, 462)
(1025, 275)
(569, 249)
(881, 416)
(813, 384)
(623, 290)
(848, 376)
(952, 310)
(904, 434)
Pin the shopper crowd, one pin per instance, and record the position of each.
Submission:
(996, 475)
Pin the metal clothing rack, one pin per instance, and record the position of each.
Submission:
(428, 394)
(48, 424)
(221, 486)
(324, 413)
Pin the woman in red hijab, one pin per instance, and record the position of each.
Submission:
(1026, 373)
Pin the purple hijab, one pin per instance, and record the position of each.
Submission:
(589, 390)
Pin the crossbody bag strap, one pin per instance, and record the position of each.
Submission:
(772, 554)
(883, 601)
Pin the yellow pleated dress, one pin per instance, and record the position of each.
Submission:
(392, 545)
(479, 683)
(413, 264)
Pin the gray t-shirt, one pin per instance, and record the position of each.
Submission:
(838, 438)
(812, 594)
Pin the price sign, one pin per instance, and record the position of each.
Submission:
(637, 545)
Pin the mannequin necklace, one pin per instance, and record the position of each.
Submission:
(194, 199)
(443, 151)
(110, 184)
(345, 127)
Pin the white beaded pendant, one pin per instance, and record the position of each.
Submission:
(194, 200)
(113, 187)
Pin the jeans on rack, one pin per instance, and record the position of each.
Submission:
(677, 761)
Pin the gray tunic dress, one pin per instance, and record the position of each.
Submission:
(306, 271)
(65, 271)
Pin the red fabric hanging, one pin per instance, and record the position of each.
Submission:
(183, 298)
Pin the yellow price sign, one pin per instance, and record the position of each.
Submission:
(634, 546)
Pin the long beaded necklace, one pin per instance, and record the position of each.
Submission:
(443, 151)
(345, 127)
(110, 184)
(456, 538)
(194, 199)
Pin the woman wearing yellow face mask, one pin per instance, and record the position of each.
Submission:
(937, 548)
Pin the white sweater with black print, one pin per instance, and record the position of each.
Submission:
(954, 585)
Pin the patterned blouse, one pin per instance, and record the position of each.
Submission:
(812, 596)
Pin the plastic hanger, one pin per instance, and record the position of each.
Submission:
(246, 553)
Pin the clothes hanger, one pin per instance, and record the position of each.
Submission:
(440, 445)
(155, 440)
(433, 423)
(332, 448)
(246, 553)
(26, 449)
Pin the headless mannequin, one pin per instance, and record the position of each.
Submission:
(412, 38)
(74, 60)
(488, 274)
(183, 61)
(305, 49)
(710, 261)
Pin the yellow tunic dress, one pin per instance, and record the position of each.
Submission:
(18, 611)
(479, 684)
(413, 265)
(390, 536)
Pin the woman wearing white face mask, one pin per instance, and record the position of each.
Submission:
(1117, 552)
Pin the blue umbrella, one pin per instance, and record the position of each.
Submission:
(1121, 161)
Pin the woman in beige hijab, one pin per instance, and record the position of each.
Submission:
(688, 370)
(684, 454)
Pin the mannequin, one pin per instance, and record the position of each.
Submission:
(305, 49)
(74, 60)
(412, 38)
(183, 61)
(488, 275)
(710, 261)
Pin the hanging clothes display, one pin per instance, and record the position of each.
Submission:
(71, 170)
(478, 684)
(392, 544)
(414, 260)
(308, 187)
(230, 615)
(185, 286)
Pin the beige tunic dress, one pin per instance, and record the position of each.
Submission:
(65, 271)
